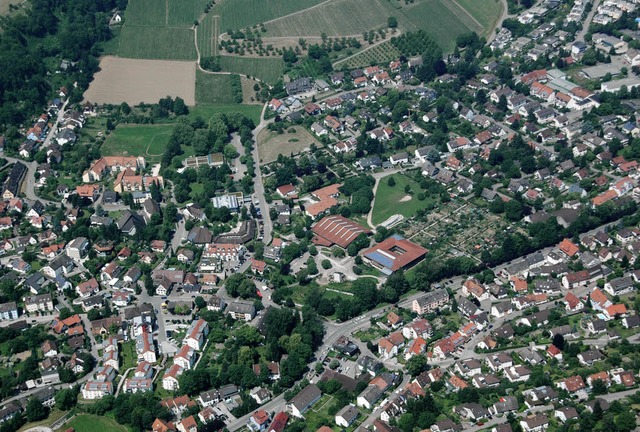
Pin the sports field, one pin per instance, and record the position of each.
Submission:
(149, 141)
(394, 200)
(134, 81)
(93, 423)
(265, 69)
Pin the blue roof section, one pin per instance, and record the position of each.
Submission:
(380, 259)
(397, 237)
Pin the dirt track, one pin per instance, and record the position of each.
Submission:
(134, 81)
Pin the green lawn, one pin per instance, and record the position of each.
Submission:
(149, 141)
(206, 111)
(268, 69)
(129, 356)
(93, 423)
(393, 200)
(213, 89)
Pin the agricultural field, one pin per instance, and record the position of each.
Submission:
(208, 32)
(444, 21)
(146, 13)
(239, 14)
(391, 200)
(92, 423)
(149, 141)
(183, 13)
(213, 89)
(161, 43)
(334, 18)
(134, 81)
(264, 68)
(486, 12)
(272, 144)
(378, 54)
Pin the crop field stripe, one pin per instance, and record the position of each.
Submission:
(214, 38)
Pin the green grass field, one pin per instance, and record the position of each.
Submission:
(156, 43)
(335, 18)
(93, 423)
(213, 89)
(239, 14)
(207, 111)
(149, 141)
(264, 68)
(389, 200)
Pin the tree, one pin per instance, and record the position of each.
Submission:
(392, 22)
(35, 410)
(66, 399)
(391, 182)
(558, 341)
(416, 365)
(598, 387)
(513, 210)
(626, 421)
(200, 302)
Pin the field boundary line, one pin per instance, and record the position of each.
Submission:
(166, 13)
(201, 69)
(464, 11)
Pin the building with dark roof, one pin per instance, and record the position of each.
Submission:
(394, 253)
(304, 400)
(130, 223)
(12, 185)
(338, 230)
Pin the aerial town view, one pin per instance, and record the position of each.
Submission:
(319, 215)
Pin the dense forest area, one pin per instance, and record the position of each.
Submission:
(33, 45)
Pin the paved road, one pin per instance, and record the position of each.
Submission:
(258, 186)
(29, 183)
(122, 380)
(87, 328)
(587, 21)
(179, 235)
